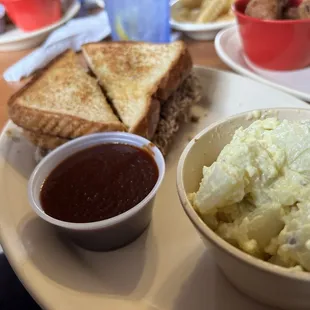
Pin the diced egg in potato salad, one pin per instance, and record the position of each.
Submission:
(257, 193)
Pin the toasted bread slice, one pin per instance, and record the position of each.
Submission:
(44, 141)
(135, 76)
(64, 101)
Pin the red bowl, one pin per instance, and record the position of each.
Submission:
(31, 15)
(274, 44)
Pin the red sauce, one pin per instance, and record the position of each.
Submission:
(99, 183)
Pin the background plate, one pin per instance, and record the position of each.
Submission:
(206, 31)
(229, 48)
(168, 267)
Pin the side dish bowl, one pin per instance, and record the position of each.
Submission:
(267, 283)
(207, 31)
(106, 234)
(274, 44)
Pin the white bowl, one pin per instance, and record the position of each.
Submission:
(207, 31)
(110, 233)
(263, 281)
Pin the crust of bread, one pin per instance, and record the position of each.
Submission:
(57, 124)
(53, 123)
(178, 72)
(147, 125)
(43, 141)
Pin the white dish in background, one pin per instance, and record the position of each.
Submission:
(15, 39)
(168, 267)
(229, 48)
(206, 31)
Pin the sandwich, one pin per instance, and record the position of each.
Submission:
(146, 89)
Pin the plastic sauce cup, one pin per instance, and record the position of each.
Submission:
(107, 234)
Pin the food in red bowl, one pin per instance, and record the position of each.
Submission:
(273, 43)
(31, 15)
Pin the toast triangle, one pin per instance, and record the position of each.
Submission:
(63, 100)
(136, 76)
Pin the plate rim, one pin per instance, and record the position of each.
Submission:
(30, 286)
(246, 72)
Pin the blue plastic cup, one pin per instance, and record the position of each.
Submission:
(139, 20)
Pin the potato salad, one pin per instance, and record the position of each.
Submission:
(256, 195)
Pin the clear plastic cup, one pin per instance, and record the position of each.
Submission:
(139, 20)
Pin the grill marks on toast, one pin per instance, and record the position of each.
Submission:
(44, 141)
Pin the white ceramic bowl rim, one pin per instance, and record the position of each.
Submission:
(208, 232)
(199, 27)
(119, 137)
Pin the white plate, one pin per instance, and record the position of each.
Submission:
(168, 267)
(229, 48)
(200, 31)
(16, 39)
